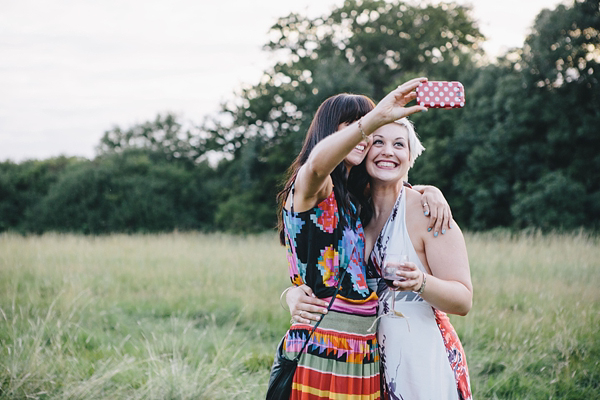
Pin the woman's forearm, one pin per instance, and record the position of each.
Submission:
(332, 150)
(449, 296)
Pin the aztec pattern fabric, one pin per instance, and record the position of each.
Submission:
(341, 360)
(337, 364)
(318, 246)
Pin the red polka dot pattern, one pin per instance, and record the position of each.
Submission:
(439, 94)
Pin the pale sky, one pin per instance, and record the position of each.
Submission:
(72, 69)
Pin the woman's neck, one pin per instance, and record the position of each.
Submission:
(384, 197)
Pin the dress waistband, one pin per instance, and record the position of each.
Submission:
(366, 308)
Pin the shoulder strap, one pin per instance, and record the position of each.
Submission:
(337, 289)
(292, 199)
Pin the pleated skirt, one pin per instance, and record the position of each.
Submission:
(341, 360)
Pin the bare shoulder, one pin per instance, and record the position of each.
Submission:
(414, 209)
(307, 196)
(416, 222)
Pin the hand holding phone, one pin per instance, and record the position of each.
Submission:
(441, 94)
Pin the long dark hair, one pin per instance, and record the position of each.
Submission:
(332, 112)
(360, 189)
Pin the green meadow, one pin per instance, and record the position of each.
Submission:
(197, 316)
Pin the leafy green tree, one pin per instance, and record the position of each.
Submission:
(23, 185)
(365, 47)
(165, 138)
(127, 192)
(524, 152)
(551, 203)
(535, 118)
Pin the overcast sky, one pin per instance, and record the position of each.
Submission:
(72, 69)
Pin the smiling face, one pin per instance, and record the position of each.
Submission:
(388, 160)
(359, 152)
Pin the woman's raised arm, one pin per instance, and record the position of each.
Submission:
(313, 181)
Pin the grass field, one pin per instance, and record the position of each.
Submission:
(194, 316)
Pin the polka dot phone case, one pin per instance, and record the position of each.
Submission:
(441, 94)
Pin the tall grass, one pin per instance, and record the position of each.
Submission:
(533, 331)
(194, 316)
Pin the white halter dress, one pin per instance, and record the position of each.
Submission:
(421, 355)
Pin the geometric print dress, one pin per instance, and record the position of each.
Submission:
(421, 354)
(341, 360)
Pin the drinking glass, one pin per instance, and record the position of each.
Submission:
(392, 263)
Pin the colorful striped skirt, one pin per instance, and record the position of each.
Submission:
(341, 360)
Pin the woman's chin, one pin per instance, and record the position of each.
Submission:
(353, 159)
(386, 180)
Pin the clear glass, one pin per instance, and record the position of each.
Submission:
(392, 263)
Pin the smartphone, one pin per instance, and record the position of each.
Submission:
(441, 94)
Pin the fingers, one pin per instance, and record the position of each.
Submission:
(445, 220)
(301, 299)
(392, 106)
(448, 219)
(425, 207)
(307, 290)
(306, 313)
(437, 219)
(304, 317)
(409, 279)
(311, 301)
(312, 309)
(304, 306)
(438, 211)
(432, 212)
(413, 110)
(440, 220)
(410, 97)
(411, 85)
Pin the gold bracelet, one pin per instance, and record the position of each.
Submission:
(281, 297)
(365, 137)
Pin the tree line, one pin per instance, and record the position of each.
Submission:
(524, 152)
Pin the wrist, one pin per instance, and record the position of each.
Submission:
(422, 288)
(371, 121)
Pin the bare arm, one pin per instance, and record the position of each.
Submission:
(448, 283)
(449, 288)
(313, 182)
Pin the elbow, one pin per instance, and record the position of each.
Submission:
(464, 310)
(314, 169)
(466, 301)
(465, 307)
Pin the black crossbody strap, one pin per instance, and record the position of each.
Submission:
(337, 289)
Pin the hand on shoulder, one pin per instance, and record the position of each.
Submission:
(418, 222)
(414, 209)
